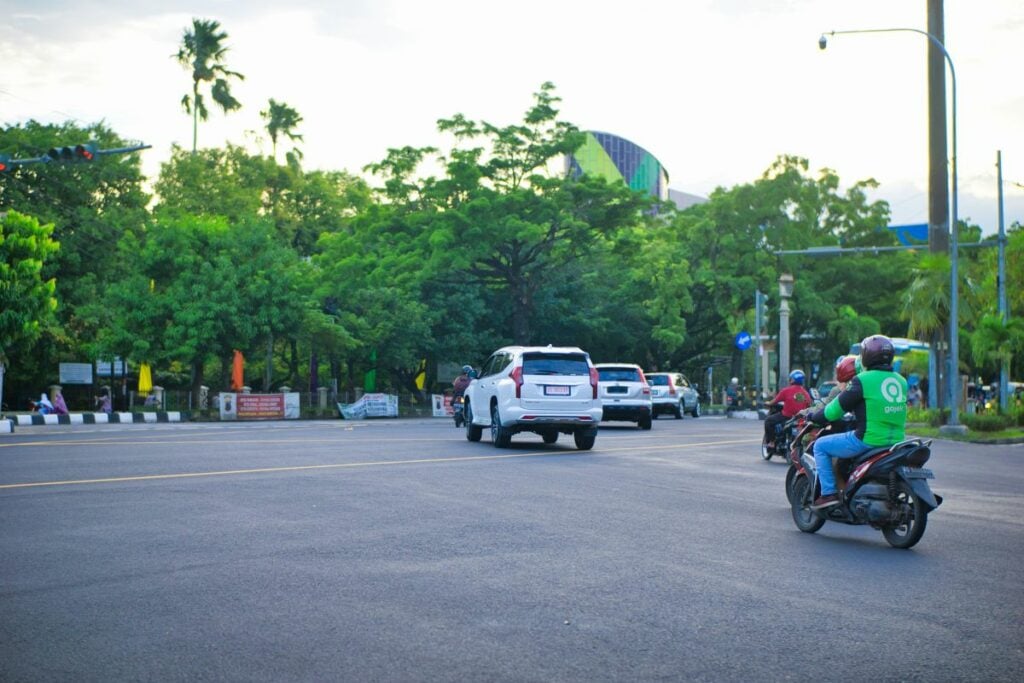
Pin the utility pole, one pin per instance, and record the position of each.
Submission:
(1004, 313)
(938, 181)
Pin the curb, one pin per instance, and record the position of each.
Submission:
(8, 424)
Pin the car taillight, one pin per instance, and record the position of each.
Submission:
(646, 390)
(593, 380)
(517, 376)
(671, 389)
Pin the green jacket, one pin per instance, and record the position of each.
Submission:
(878, 400)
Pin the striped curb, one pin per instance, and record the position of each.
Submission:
(93, 418)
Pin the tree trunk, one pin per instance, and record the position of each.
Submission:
(268, 372)
(197, 381)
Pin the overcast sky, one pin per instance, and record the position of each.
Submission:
(715, 89)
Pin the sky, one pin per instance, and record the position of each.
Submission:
(715, 89)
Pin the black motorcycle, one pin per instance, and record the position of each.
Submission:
(886, 488)
(780, 443)
(457, 410)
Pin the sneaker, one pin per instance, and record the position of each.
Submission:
(822, 502)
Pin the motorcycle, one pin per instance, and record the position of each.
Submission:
(886, 488)
(781, 444)
(457, 410)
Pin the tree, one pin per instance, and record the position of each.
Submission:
(202, 51)
(282, 120)
(202, 288)
(27, 301)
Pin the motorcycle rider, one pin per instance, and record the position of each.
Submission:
(793, 398)
(877, 397)
(460, 383)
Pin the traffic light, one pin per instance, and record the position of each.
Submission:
(83, 152)
(5, 163)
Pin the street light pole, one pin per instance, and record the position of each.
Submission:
(954, 247)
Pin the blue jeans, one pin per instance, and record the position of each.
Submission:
(845, 445)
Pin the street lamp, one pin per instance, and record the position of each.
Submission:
(954, 246)
(785, 291)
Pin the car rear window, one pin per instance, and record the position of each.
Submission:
(658, 380)
(555, 364)
(618, 374)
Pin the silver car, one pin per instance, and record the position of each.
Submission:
(672, 393)
(625, 394)
(542, 389)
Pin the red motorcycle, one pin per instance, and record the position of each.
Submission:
(886, 488)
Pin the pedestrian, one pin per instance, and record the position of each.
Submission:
(43, 405)
(103, 401)
(57, 398)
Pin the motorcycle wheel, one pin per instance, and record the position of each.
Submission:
(790, 481)
(908, 532)
(473, 432)
(766, 454)
(458, 421)
(550, 437)
(806, 519)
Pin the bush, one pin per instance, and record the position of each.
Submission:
(921, 415)
(987, 422)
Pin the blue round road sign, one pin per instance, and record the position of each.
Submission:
(743, 341)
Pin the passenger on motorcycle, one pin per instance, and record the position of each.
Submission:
(793, 398)
(877, 397)
(460, 383)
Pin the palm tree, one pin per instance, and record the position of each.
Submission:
(282, 120)
(926, 307)
(202, 50)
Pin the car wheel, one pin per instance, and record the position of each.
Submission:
(696, 409)
(473, 432)
(678, 411)
(584, 439)
(644, 422)
(501, 437)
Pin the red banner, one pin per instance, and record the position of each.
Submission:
(260, 406)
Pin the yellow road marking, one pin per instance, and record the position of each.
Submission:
(376, 463)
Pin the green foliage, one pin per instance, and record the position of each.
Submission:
(987, 422)
(27, 300)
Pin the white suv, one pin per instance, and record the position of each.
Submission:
(625, 394)
(542, 389)
(672, 393)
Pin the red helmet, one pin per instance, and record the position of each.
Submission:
(846, 369)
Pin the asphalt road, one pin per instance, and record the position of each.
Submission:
(395, 550)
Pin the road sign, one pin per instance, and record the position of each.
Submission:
(743, 341)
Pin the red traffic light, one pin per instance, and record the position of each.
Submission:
(86, 152)
(5, 163)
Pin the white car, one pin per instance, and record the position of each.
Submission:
(625, 394)
(672, 393)
(547, 390)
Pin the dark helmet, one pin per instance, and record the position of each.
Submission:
(877, 351)
(466, 369)
(846, 369)
(796, 377)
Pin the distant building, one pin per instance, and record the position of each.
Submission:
(618, 160)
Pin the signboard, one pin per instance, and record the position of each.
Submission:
(103, 368)
(370, 405)
(259, 406)
(442, 405)
(743, 341)
(75, 373)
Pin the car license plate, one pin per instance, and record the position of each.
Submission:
(617, 390)
(556, 390)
